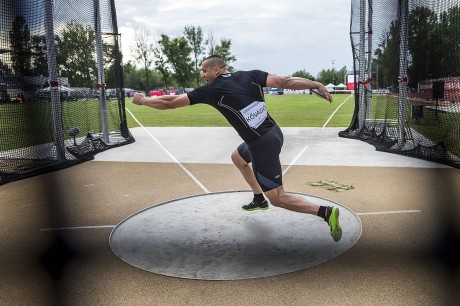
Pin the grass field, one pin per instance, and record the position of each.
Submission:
(441, 127)
(287, 110)
(24, 125)
(30, 124)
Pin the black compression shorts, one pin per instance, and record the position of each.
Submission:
(264, 153)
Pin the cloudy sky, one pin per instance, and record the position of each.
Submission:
(280, 37)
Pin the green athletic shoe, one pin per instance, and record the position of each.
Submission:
(336, 229)
(256, 206)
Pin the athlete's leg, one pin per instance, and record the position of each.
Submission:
(247, 172)
(242, 159)
(279, 197)
(267, 170)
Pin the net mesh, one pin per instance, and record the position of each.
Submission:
(407, 89)
(57, 60)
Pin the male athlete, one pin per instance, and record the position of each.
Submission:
(239, 97)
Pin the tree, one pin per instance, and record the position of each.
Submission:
(387, 57)
(194, 36)
(161, 65)
(131, 76)
(75, 55)
(223, 50)
(303, 74)
(448, 31)
(326, 76)
(333, 76)
(134, 77)
(20, 41)
(434, 42)
(144, 52)
(210, 43)
(38, 55)
(177, 51)
(111, 59)
(423, 44)
(341, 75)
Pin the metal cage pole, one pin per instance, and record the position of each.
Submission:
(369, 59)
(362, 63)
(403, 52)
(54, 90)
(101, 76)
(119, 71)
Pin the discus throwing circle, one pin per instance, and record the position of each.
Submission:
(210, 237)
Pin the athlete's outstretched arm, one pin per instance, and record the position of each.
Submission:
(296, 83)
(162, 102)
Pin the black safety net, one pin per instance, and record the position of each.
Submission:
(407, 77)
(61, 84)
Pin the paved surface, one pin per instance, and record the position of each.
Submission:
(305, 146)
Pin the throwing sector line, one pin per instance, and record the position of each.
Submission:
(169, 153)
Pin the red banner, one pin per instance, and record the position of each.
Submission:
(451, 88)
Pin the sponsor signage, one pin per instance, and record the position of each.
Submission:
(451, 88)
(351, 81)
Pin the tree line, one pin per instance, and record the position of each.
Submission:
(163, 62)
(326, 76)
(75, 54)
(173, 61)
(433, 48)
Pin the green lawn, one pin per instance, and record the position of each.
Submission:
(441, 127)
(29, 124)
(23, 125)
(287, 110)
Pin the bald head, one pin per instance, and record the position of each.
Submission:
(214, 61)
(212, 67)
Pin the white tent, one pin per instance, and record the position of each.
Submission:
(330, 87)
(341, 85)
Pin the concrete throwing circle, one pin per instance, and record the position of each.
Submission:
(210, 237)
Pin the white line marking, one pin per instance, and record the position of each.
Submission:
(76, 228)
(113, 226)
(336, 111)
(295, 160)
(389, 212)
(167, 152)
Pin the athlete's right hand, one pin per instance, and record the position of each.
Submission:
(138, 98)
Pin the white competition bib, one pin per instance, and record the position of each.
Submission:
(255, 113)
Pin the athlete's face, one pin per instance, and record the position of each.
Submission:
(209, 72)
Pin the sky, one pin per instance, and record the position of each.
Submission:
(279, 37)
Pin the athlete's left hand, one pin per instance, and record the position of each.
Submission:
(323, 90)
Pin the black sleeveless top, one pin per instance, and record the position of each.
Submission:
(239, 97)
